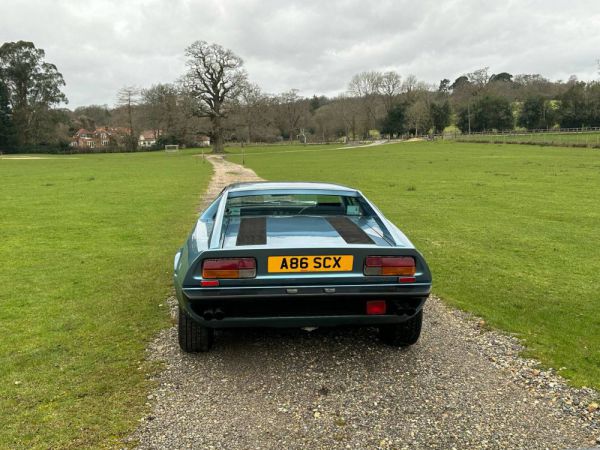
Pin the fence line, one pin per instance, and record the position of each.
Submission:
(563, 137)
(580, 130)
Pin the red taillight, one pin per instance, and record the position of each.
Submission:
(229, 268)
(390, 265)
(376, 307)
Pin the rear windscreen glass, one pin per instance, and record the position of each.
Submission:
(295, 204)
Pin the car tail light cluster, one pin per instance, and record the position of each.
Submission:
(390, 265)
(229, 268)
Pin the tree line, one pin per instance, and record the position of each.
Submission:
(215, 97)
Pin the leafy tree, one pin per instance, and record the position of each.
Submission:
(395, 121)
(440, 115)
(501, 77)
(214, 79)
(32, 87)
(593, 91)
(487, 113)
(168, 139)
(459, 82)
(573, 109)
(536, 113)
(579, 105)
(444, 86)
(316, 102)
(6, 125)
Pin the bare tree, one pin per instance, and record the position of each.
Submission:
(160, 105)
(128, 98)
(293, 108)
(418, 116)
(479, 77)
(348, 109)
(253, 111)
(391, 86)
(366, 86)
(329, 123)
(214, 79)
(409, 85)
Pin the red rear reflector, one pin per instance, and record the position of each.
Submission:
(390, 265)
(376, 307)
(209, 283)
(229, 268)
(407, 279)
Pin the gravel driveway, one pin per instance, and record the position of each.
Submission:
(460, 387)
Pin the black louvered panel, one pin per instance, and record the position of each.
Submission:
(253, 231)
(349, 231)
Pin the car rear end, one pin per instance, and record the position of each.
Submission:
(314, 265)
(242, 288)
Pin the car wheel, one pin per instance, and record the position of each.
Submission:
(402, 334)
(193, 337)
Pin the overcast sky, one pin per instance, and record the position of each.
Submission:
(314, 46)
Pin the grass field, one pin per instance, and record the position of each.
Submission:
(86, 249)
(511, 232)
(584, 139)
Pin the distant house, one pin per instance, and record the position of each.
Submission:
(83, 139)
(100, 137)
(202, 141)
(148, 138)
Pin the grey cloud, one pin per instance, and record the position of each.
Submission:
(314, 46)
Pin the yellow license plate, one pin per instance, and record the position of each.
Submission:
(318, 263)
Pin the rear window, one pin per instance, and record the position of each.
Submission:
(295, 204)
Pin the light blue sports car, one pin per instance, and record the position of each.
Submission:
(297, 255)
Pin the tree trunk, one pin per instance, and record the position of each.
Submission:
(217, 131)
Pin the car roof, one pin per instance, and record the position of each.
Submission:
(266, 186)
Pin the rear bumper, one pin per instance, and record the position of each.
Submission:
(395, 289)
(301, 321)
(306, 306)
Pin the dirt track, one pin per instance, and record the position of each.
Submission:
(460, 387)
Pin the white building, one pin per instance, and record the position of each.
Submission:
(148, 138)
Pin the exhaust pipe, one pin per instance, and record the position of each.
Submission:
(219, 314)
(208, 314)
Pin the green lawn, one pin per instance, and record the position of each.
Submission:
(512, 233)
(86, 260)
(589, 138)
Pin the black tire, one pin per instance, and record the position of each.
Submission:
(402, 334)
(193, 337)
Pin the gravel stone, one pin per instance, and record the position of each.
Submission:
(461, 386)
